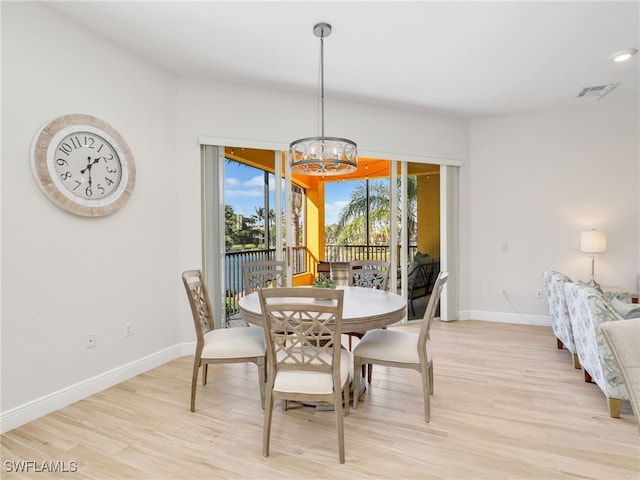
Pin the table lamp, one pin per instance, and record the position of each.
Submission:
(593, 241)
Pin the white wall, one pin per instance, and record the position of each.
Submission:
(535, 182)
(276, 117)
(66, 276)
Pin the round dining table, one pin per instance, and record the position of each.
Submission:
(363, 309)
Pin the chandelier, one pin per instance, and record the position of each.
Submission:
(323, 155)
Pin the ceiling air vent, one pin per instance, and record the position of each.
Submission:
(599, 91)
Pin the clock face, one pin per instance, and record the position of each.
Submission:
(83, 165)
(86, 165)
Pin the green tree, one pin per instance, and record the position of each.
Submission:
(230, 226)
(331, 233)
(374, 204)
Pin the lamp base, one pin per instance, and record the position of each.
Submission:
(593, 283)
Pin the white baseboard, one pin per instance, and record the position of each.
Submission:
(505, 317)
(39, 407)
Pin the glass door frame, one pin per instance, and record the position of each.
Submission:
(212, 211)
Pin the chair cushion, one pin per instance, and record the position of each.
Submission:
(390, 345)
(236, 342)
(293, 381)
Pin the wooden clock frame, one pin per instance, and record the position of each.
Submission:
(42, 151)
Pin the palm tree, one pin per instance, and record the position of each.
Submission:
(369, 211)
(297, 203)
(260, 216)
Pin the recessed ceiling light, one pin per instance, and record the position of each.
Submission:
(623, 55)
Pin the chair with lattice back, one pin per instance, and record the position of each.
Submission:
(220, 345)
(367, 274)
(265, 273)
(403, 349)
(305, 361)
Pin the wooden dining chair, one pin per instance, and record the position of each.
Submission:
(265, 273)
(396, 348)
(221, 345)
(367, 274)
(305, 361)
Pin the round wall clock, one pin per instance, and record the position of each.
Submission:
(83, 165)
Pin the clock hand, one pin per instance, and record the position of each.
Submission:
(88, 168)
(89, 165)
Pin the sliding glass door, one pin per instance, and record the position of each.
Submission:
(253, 209)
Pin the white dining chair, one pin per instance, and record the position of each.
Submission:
(402, 349)
(220, 345)
(265, 273)
(367, 274)
(305, 361)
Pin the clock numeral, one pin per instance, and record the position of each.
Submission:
(65, 148)
(100, 148)
(77, 185)
(66, 175)
(108, 158)
(101, 188)
(88, 192)
(61, 162)
(108, 180)
(110, 170)
(89, 142)
(75, 142)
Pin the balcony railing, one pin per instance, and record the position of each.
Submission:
(301, 262)
(235, 281)
(346, 253)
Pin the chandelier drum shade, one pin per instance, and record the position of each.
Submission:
(323, 155)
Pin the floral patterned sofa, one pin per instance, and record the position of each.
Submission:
(588, 309)
(554, 283)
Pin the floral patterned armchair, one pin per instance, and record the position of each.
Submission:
(554, 283)
(588, 309)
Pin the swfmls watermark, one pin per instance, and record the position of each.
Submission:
(40, 466)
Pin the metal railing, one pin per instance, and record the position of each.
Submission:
(301, 262)
(346, 253)
(233, 268)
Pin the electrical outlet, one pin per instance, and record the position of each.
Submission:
(128, 329)
(91, 340)
(539, 294)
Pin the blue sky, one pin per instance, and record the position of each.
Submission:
(243, 190)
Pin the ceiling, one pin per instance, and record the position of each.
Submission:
(467, 59)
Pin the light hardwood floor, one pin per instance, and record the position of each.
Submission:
(507, 405)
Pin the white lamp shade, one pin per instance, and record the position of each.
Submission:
(593, 241)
